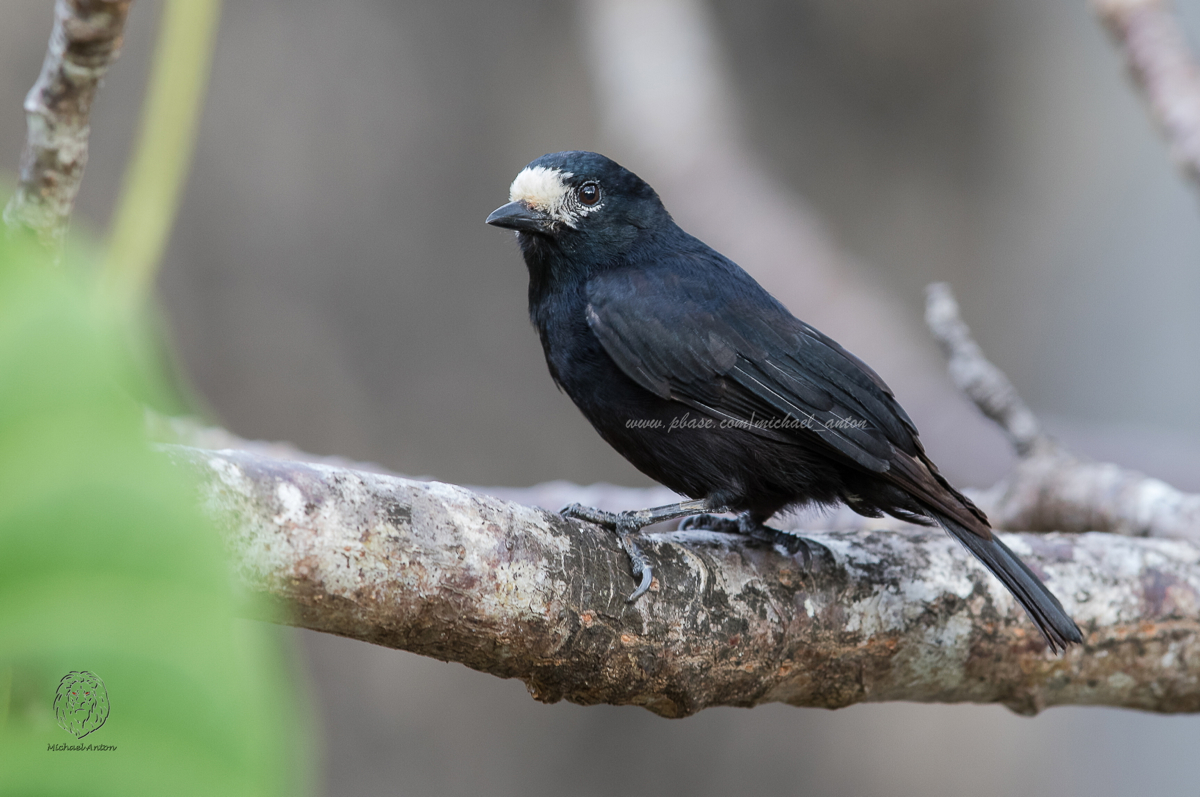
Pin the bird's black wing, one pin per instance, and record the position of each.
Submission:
(713, 339)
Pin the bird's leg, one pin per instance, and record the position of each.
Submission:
(747, 524)
(708, 522)
(627, 525)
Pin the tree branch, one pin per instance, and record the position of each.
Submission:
(523, 593)
(516, 591)
(1163, 67)
(84, 42)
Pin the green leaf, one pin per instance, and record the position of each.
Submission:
(107, 567)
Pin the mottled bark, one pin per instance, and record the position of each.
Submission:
(85, 40)
(1163, 66)
(522, 593)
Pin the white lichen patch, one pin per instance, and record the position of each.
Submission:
(291, 504)
(230, 474)
(884, 610)
(231, 493)
(936, 663)
(948, 571)
(904, 594)
(1106, 576)
(954, 633)
(1153, 499)
(1121, 681)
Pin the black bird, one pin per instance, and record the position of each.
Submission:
(700, 378)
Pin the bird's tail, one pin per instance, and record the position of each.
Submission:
(1045, 610)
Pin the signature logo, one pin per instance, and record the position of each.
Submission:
(81, 703)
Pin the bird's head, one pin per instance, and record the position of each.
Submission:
(579, 204)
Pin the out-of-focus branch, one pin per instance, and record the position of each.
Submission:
(975, 375)
(84, 42)
(523, 593)
(1051, 489)
(1163, 66)
(1058, 491)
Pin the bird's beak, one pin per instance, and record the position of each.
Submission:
(519, 216)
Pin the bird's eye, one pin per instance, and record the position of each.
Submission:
(589, 193)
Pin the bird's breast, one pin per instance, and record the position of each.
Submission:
(574, 355)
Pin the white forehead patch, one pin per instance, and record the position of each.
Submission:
(547, 190)
(540, 187)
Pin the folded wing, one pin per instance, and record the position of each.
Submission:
(725, 347)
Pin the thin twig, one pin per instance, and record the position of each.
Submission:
(975, 375)
(1162, 64)
(84, 42)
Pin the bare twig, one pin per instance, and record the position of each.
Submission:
(1052, 489)
(1163, 66)
(975, 375)
(85, 40)
(522, 593)
(1058, 491)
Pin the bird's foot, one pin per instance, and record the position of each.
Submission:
(591, 514)
(625, 525)
(743, 524)
(792, 543)
(707, 522)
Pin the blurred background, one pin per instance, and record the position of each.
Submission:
(330, 282)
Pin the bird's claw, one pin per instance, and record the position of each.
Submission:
(625, 525)
(644, 587)
(639, 563)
